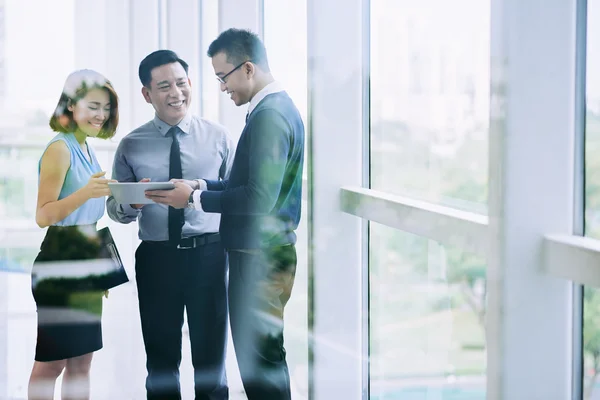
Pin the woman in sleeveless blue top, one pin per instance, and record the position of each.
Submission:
(71, 195)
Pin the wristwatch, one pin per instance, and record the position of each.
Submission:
(190, 203)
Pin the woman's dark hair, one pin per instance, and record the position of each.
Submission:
(77, 85)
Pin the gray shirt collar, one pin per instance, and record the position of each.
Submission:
(163, 127)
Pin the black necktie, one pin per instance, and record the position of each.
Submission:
(175, 172)
(247, 115)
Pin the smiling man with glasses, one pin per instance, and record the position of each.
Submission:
(244, 89)
(260, 210)
(223, 79)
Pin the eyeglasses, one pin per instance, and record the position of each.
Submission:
(222, 79)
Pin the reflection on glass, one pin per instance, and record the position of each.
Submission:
(427, 313)
(285, 37)
(20, 242)
(27, 97)
(591, 343)
(93, 252)
(591, 297)
(430, 74)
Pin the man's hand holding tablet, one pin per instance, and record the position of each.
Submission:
(134, 193)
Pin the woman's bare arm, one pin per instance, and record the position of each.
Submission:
(54, 166)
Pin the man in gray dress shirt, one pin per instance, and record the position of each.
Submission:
(181, 262)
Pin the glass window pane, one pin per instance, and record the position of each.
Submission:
(29, 90)
(427, 313)
(591, 296)
(430, 90)
(285, 38)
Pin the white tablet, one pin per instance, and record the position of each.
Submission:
(134, 192)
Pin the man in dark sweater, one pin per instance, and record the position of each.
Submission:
(260, 210)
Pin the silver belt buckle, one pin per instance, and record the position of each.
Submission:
(180, 247)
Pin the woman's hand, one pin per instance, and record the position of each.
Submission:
(97, 186)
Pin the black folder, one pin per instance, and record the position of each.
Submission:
(116, 275)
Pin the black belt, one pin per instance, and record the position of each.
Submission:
(191, 242)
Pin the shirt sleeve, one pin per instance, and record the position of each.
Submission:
(228, 156)
(122, 172)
